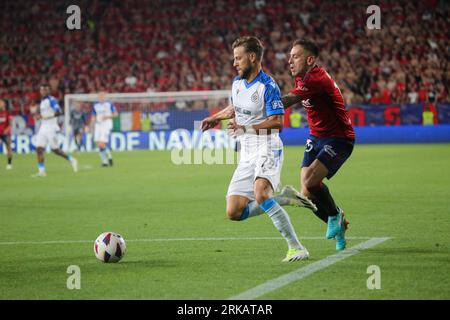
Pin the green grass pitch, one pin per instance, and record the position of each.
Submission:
(396, 191)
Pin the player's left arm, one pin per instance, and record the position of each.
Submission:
(58, 113)
(268, 126)
(56, 109)
(114, 113)
(274, 122)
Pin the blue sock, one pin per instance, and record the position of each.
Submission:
(41, 166)
(251, 210)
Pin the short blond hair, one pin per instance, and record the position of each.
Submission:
(251, 44)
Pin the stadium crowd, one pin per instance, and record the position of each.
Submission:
(173, 45)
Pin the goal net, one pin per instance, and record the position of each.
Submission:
(150, 120)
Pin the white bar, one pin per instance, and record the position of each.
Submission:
(150, 96)
(305, 271)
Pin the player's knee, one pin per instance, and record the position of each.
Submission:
(234, 213)
(261, 197)
(262, 190)
(235, 210)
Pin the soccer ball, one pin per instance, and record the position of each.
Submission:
(109, 247)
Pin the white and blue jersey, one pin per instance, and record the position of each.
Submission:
(48, 108)
(254, 102)
(103, 112)
(261, 155)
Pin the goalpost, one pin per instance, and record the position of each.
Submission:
(148, 104)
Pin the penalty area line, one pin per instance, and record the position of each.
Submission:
(305, 271)
(11, 243)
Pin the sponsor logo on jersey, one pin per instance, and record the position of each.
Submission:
(254, 97)
(243, 111)
(306, 103)
(277, 104)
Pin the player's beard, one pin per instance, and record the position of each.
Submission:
(300, 71)
(246, 72)
(303, 70)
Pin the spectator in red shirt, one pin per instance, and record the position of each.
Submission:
(5, 131)
(422, 95)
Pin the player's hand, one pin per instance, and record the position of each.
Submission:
(209, 123)
(234, 129)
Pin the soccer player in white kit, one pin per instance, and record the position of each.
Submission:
(258, 112)
(49, 110)
(103, 112)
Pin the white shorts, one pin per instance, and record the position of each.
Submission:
(264, 164)
(47, 137)
(101, 133)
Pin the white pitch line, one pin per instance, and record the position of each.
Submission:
(305, 271)
(165, 240)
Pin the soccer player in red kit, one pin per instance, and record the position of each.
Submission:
(5, 131)
(331, 137)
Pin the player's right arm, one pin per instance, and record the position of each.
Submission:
(306, 89)
(290, 99)
(34, 110)
(212, 121)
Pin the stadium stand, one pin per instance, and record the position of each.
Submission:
(133, 46)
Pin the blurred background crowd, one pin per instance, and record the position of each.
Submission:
(175, 45)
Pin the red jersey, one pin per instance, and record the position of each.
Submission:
(5, 123)
(324, 105)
